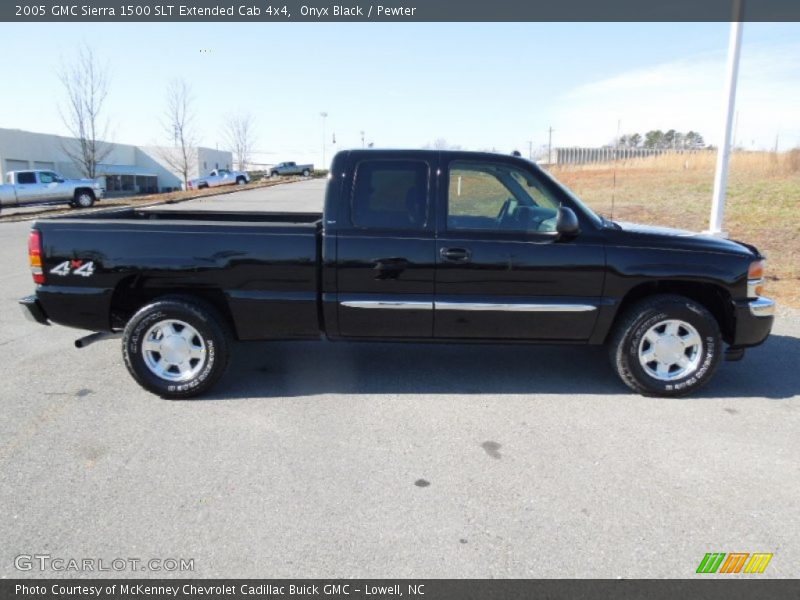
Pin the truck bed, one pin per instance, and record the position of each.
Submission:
(261, 267)
(313, 219)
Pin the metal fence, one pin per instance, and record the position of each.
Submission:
(583, 156)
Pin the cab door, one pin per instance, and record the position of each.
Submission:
(502, 271)
(27, 187)
(48, 186)
(386, 247)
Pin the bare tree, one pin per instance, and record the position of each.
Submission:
(240, 137)
(441, 144)
(178, 125)
(85, 83)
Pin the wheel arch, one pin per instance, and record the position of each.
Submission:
(132, 293)
(81, 190)
(715, 298)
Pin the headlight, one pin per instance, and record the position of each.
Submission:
(755, 279)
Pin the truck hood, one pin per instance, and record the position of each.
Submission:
(667, 237)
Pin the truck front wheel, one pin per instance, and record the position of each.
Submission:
(666, 345)
(176, 348)
(83, 199)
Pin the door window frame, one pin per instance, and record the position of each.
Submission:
(430, 215)
(459, 232)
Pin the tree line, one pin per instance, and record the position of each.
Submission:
(657, 139)
(86, 83)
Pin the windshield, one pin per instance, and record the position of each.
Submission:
(588, 211)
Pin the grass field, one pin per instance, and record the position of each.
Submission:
(763, 205)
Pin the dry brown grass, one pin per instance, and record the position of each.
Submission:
(763, 205)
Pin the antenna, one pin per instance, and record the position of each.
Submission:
(616, 155)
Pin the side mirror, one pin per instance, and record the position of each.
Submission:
(567, 225)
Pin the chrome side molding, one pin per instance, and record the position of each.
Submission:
(388, 304)
(514, 307)
(469, 306)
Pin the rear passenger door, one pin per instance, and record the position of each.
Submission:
(386, 248)
(27, 187)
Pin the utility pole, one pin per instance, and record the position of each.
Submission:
(324, 115)
(724, 151)
(550, 145)
(530, 149)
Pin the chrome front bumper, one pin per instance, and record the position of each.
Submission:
(762, 307)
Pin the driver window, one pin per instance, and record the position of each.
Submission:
(497, 197)
(46, 177)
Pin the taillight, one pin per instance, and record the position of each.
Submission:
(755, 279)
(35, 255)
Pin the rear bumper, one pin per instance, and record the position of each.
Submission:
(33, 310)
(754, 319)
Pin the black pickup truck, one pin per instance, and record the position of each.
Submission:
(421, 246)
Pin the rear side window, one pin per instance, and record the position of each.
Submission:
(26, 178)
(391, 194)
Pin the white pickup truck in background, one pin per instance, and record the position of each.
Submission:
(47, 187)
(219, 177)
(290, 168)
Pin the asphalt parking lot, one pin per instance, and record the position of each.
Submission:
(381, 460)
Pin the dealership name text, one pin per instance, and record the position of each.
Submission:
(192, 589)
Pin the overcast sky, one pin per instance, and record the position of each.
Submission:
(477, 85)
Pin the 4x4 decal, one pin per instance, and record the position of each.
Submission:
(74, 267)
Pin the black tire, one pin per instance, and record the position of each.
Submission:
(211, 330)
(626, 343)
(240, 181)
(273, 174)
(306, 172)
(83, 199)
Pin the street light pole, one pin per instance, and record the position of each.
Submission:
(724, 150)
(323, 114)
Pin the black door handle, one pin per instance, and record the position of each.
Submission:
(390, 268)
(457, 255)
(391, 264)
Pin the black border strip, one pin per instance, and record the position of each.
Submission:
(706, 587)
(413, 11)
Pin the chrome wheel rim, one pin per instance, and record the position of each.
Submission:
(174, 350)
(85, 200)
(670, 349)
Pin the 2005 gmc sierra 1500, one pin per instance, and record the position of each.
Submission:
(432, 246)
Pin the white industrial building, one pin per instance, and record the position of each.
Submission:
(125, 170)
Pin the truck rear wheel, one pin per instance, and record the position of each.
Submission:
(666, 345)
(240, 181)
(83, 199)
(176, 348)
(306, 172)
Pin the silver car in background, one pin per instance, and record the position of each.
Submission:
(22, 188)
(219, 177)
